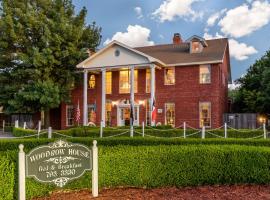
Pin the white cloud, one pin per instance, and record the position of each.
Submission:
(239, 51)
(138, 11)
(134, 36)
(233, 86)
(170, 9)
(214, 17)
(245, 19)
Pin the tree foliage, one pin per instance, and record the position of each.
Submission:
(41, 41)
(254, 93)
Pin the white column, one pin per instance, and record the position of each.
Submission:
(49, 132)
(184, 127)
(153, 83)
(21, 195)
(95, 169)
(16, 123)
(132, 96)
(103, 96)
(264, 131)
(85, 89)
(225, 130)
(203, 132)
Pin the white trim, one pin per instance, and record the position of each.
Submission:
(201, 83)
(69, 106)
(201, 102)
(165, 75)
(150, 58)
(166, 112)
(195, 63)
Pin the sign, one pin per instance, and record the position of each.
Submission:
(58, 162)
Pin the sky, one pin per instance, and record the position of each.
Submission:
(246, 23)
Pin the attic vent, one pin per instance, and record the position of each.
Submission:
(117, 53)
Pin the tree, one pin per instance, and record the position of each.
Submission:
(254, 92)
(41, 41)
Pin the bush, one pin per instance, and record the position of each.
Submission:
(19, 132)
(164, 166)
(7, 178)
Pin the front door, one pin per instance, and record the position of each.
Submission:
(123, 115)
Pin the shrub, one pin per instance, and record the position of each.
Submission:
(164, 166)
(19, 132)
(7, 177)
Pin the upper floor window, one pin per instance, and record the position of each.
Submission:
(92, 81)
(205, 114)
(169, 76)
(108, 82)
(205, 74)
(148, 81)
(124, 81)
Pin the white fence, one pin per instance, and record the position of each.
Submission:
(142, 131)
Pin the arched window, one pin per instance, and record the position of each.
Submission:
(92, 82)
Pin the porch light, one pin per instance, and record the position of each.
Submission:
(141, 102)
(114, 103)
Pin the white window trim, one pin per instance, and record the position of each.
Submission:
(202, 102)
(166, 112)
(210, 74)
(165, 76)
(67, 107)
(129, 82)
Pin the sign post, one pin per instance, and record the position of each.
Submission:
(58, 163)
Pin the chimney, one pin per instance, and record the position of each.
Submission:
(177, 38)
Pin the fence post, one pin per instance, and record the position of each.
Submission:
(101, 129)
(50, 132)
(16, 123)
(225, 130)
(3, 126)
(39, 127)
(143, 129)
(264, 131)
(24, 125)
(21, 182)
(203, 132)
(184, 126)
(131, 131)
(95, 170)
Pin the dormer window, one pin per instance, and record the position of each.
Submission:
(197, 44)
(196, 47)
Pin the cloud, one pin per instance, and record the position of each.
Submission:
(233, 86)
(214, 17)
(138, 11)
(134, 36)
(245, 19)
(239, 51)
(171, 9)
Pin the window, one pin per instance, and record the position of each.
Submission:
(170, 114)
(108, 116)
(148, 81)
(108, 82)
(124, 81)
(169, 76)
(205, 114)
(92, 113)
(195, 47)
(92, 82)
(205, 74)
(70, 115)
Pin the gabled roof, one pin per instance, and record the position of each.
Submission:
(179, 54)
(149, 57)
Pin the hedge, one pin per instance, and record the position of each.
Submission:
(159, 132)
(7, 176)
(165, 166)
(12, 144)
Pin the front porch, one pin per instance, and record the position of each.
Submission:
(118, 57)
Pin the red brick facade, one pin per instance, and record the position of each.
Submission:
(186, 94)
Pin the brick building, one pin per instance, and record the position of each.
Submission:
(187, 80)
